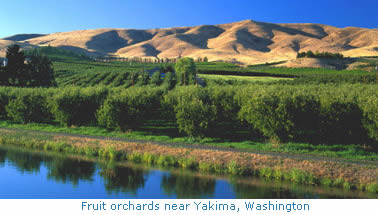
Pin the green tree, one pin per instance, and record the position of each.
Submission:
(205, 59)
(41, 73)
(156, 78)
(310, 54)
(186, 71)
(144, 78)
(16, 67)
(3, 76)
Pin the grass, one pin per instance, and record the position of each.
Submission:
(242, 78)
(161, 131)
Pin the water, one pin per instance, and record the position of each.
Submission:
(34, 175)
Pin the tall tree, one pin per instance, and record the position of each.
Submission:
(41, 73)
(16, 67)
(186, 71)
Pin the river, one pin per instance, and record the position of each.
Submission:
(26, 174)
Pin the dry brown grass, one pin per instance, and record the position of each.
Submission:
(247, 41)
(352, 173)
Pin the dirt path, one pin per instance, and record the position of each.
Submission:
(206, 147)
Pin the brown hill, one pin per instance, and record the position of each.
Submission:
(21, 37)
(248, 41)
(5, 43)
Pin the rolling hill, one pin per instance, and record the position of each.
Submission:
(247, 42)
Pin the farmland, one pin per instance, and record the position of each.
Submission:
(305, 111)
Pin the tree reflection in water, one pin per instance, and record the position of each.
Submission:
(23, 161)
(121, 179)
(188, 186)
(268, 190)
(3, 156)
(70, 170)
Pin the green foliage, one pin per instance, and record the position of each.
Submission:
(337, 114)
(15, 70)
(195, 117)
(170, 80)
(41, 73)
(156, 79)
(185, 71)
(5, 95)
(188, 163)
(281, 115)
(166, 160)
(328, 55)
(144, 78)
(341, 121)
(76, 106)
(192, 106)
(234, 168)
(56, 54)
(38, 71)
(28, 106)
(226, 108)
(127, 109)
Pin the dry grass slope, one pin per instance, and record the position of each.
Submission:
(247, 41)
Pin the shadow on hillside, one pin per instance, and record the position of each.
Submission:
(108, 42)
(201, 37)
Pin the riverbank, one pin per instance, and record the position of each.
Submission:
(296, 170)
(155, 132)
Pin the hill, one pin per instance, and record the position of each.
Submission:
(248, 42)
(21, 37)
(5, 43)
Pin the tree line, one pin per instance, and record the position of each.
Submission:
(154, 60)
(326, 55)
(33, 70)
(324, 114)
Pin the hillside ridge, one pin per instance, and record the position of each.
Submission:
(247, 42)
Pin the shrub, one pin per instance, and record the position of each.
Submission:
(368, 103)
(127, 109)
(156, 79)
(169, 80)
(28, 106)
(281, 115)
(226, 109)
(4, 99)
(341, 122)
(195, 114)
(77, 106)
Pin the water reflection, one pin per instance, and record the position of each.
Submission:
(25, 162)
(121, 179)
(188, 186)
(70, 170)
(3, 154)
(66, 177)
(247, 191)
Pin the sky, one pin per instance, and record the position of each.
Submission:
(50, 16)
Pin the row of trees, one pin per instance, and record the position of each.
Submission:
(26, 70)
(319, 114)
(184, 73)
(148, 59)
(327, 55)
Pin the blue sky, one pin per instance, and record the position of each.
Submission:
(47, 16)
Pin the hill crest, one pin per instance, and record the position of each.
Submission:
(248, 41)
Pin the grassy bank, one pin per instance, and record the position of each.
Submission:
(348, 176)
(167, 132)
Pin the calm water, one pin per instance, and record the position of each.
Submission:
(30, 174)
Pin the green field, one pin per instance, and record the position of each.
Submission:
(251, 108)
(242, 78)
(303, 113)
